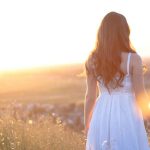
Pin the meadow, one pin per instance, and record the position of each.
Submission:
(58, 84)
(54, 85)
(62, 84)
(43, 135)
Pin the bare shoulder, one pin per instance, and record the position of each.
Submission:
(89, 64)
(136, 59)
(90, 61)
(137, 65)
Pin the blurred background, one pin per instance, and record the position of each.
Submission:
(49, 35)
(43, 47)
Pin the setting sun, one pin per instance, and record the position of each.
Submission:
(36, 33)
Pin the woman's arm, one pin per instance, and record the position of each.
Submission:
(138, 85)
(90, 98)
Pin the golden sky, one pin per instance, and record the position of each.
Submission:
(47, 32)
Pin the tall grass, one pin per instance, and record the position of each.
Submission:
(44, 135)
(52, 85)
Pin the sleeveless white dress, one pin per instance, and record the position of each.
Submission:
(117, 122)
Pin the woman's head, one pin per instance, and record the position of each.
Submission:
(112, 39)
(113, 33)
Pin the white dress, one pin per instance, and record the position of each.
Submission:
(117, 123)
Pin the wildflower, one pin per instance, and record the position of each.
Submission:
(30, 122)
(58, 120)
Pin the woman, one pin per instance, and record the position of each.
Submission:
(114, 119)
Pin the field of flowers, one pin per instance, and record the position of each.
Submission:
(40, 135)
(42, 109)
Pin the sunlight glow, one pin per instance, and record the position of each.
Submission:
(144, 104)
(39, 33)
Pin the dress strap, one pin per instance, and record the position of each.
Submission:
(128, 63)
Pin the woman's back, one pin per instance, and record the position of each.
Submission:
(127, 82)
(113, 120)
(117, 122)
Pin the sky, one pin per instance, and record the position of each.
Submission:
(48, 32)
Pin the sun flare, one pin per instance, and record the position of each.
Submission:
(37, 33)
